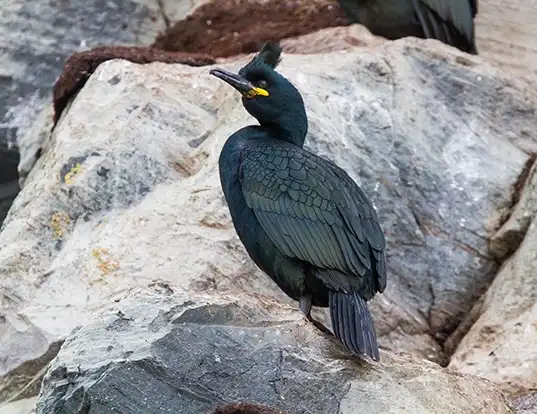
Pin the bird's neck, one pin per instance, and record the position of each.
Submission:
(293, 130)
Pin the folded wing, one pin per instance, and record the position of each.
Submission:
(313, 211)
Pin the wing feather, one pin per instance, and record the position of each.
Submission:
(441, 19)
(313, 211)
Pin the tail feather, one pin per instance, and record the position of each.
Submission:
(352, 323)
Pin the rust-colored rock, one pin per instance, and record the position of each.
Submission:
(81, 65)
(225, 28)
(243, 408)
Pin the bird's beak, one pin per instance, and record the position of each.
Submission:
(243, 85)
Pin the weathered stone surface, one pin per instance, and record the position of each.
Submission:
(507, 239)
(25, 406)
(127, 188)
(498, 345)
(34, 140)
(37, 37)
(526, 404)
(506, 31)
(154, 350)
(331, 40)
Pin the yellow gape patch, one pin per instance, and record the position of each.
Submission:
(255, 92)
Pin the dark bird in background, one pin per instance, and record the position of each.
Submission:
(301, 218)
(450, 21)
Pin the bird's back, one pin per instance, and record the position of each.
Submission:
(313, 213)
(285, 271)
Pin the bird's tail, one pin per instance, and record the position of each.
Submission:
(352, 323)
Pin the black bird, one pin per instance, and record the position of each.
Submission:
(301, 218)
(450, 21)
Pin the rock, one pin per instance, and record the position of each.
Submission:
(33, 140)
(526, 404)
(214, 23)
(157, 349)
(208, 21)
(244, 408)
(506, 32)
(497, 345)
(35, 40)
(127, 189)
(80, 66)
(331, 40)
(507, 239)
(25, 406)
(35, 46)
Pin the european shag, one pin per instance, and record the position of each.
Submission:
(450, 21)
(301, 218)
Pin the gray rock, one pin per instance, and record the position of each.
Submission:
(526, 404)
(127, 189)
(505, 320)
(33, 141)
(25, 406)
(505, 30)
(37, 37)
(157, 351)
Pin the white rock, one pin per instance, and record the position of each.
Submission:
(499, 344)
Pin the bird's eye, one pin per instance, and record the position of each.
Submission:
(262, 84)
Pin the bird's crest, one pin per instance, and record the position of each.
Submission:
(270, 55)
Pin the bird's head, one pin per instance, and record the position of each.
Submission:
(267, 95)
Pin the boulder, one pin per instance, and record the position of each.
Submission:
(505, 34)
(37, 37)
(127, 190)
(159, 348)
(526, 404)
(24, 406)
(33, 59)
(505, 321)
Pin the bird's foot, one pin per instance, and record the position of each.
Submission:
(320, 326)
(305, 307)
